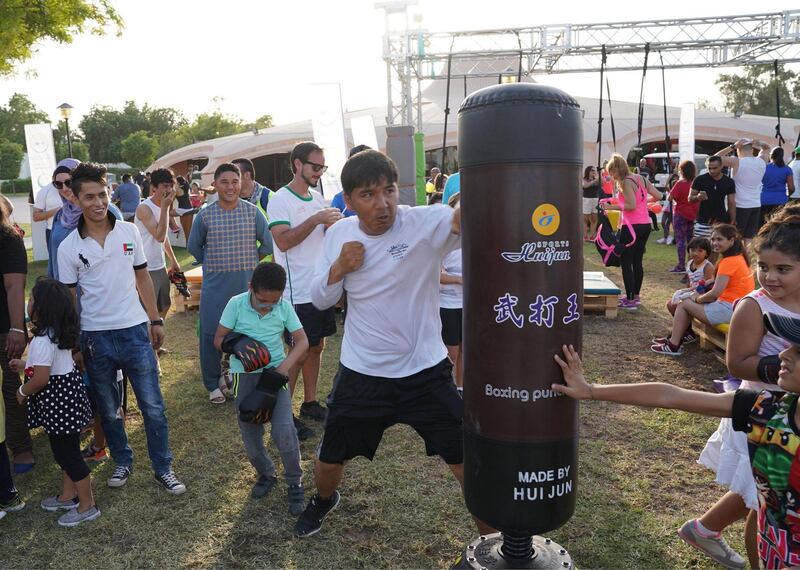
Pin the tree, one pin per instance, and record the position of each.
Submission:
(212, 125)
(754, 92)
(174, 140)
(263, 122)
(19, 111)
(104, 128)
(25, 23)
(79, 150)
(139, 149)
(10, 158)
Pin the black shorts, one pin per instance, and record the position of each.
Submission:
(316, 324)
(747, 220)
(451, 326)
(361, 407)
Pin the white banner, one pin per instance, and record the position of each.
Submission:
(327, 123)
(42, 162)
(363, 129)
(686, 133)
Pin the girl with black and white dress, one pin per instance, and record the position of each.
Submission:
(56, 396)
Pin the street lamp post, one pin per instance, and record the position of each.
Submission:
(66, 109)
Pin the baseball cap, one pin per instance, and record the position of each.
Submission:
(787, 328)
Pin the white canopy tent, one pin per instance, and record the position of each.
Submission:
(271, 146)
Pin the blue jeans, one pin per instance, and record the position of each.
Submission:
(105, 352)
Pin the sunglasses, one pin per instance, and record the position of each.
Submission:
(316, 167)
(60, 185)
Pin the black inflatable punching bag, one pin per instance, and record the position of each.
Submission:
(520, 149)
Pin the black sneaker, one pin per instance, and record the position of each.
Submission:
(263, 486)
(310, 522)
(313, 411)
(120, 476)
(170, 483)
(303, 431)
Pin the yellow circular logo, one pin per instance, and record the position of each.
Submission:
(546, 219)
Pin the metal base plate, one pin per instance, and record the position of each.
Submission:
(484, 554)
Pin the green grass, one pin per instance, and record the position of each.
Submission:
(638, 480)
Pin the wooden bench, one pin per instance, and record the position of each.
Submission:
(712, 337)
(194, 277)
(600, 294)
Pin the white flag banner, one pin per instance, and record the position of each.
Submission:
(327, 123)
(363, 129)
(686, 133)
(42, 162)
(41, 155)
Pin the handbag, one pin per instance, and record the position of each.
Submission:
(607, 240)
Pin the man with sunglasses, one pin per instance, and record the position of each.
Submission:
(298, 218)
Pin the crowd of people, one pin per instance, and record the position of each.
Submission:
(83, 350)
(741, 213)
(276, 263)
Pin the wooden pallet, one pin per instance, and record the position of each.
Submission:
(606, 304)
(711, 338)
(600, 294)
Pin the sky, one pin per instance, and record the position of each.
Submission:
(254, 57)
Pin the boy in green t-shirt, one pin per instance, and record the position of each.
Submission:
(262, 314)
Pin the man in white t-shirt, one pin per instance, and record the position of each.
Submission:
(747, 171)
(105, 258)
(795, 166)
(297, 219)
(394, 366)
(152, 219)
(46, 206)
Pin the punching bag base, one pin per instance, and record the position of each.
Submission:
(486, 552)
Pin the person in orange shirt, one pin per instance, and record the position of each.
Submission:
(733, 280)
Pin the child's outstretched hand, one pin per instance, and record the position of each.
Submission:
(576, 386)
(16, 365)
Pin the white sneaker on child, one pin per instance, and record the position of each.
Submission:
(714, 546)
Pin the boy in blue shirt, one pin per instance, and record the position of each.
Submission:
(262, 314)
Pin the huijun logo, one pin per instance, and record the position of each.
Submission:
(548, 252)
(546, 219)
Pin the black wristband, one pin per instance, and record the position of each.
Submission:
(768, 369)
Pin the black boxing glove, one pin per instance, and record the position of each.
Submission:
(768, 369)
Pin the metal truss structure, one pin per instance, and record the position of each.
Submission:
(412, 56)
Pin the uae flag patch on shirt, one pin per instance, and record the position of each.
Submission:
(127, 248)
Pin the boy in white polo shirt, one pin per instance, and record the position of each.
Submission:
(106, 259)
(263, 314)
(393, 366)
